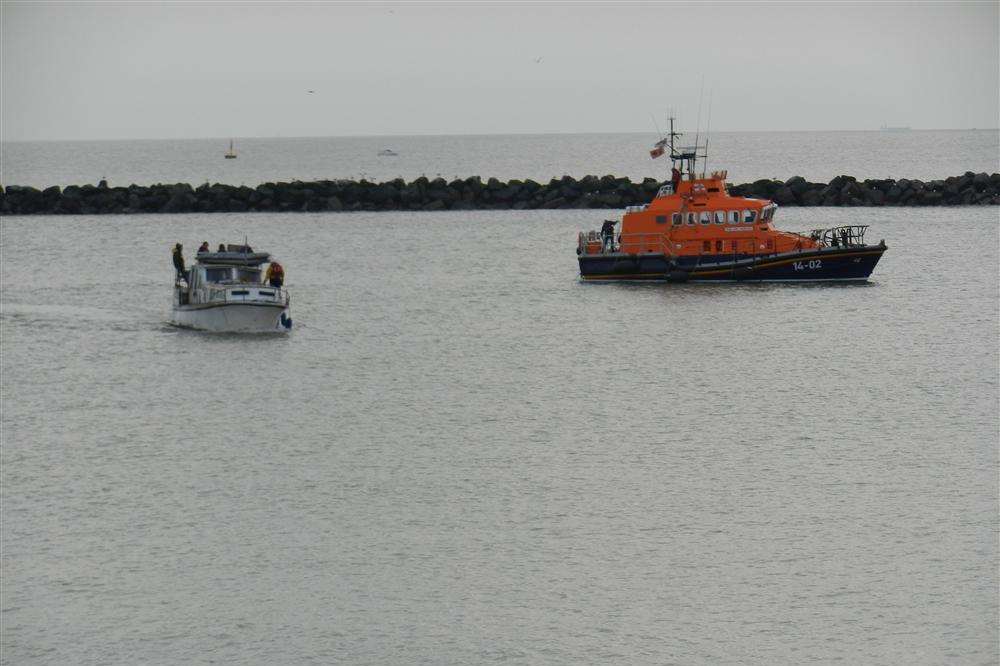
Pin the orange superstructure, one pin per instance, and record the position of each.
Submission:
(700, 218)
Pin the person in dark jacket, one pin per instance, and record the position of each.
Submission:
(608, 235)
(179, 261)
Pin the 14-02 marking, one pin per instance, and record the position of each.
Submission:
(811, 265)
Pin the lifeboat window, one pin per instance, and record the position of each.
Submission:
(768, 213)
(706, 246)
(749, 216)
(691, 218)
(732, 244)
(240, 292)
(734, 216)
(661, 219)
(718, 246)
(720, 217)
(676, 218)
(706, 217)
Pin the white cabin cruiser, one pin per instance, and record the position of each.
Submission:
(224, 292)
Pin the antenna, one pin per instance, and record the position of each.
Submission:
(697, 127)
(655, 124)
(708, 133)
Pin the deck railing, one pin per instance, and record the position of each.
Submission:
(845, 236)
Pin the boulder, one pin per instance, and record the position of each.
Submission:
(784, 196)
(874, 197)
(796, 184)
(589, 184)
(810, 198)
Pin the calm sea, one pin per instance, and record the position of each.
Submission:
(463, 455)
(817, 156)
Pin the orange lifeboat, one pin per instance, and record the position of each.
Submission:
(693, 230)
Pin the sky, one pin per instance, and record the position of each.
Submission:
(196, 70)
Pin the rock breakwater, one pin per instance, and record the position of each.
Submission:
(425, 194)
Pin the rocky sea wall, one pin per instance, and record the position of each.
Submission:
(473, 194)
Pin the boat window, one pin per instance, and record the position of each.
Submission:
(246, 275)
(676, 219)
(768, 213)
(706, 217)
(218, 274)
(706, 246)
(691, 218)
(661, 219)
(734, 216)
(718, 246)
(749, 216)
(720, 217)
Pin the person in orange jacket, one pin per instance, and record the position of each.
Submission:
(275, 275)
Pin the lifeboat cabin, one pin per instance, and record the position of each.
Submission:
(693, 230)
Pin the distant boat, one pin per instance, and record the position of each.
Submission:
(231, 155)
(886, 128)
(386, 152)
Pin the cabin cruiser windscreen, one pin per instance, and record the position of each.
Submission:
(232, 274)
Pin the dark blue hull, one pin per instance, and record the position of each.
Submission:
(826, 264)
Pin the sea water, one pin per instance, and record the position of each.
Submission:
(748, 156)
(462, 454)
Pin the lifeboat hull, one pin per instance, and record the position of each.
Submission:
(832, 264)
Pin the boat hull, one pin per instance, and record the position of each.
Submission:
(233, 317)
(822, 265)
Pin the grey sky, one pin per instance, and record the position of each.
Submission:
(122, 70)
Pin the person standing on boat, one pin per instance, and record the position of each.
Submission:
(675, 177)
(204, 247)
(275, 275)
(179, 261)
(608, 234)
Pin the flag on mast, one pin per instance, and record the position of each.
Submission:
(658, 148)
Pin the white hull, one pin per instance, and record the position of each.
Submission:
(232, 318)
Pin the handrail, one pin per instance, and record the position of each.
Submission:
(846, 235)
(646, 239)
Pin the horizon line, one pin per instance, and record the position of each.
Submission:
(468, 134)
